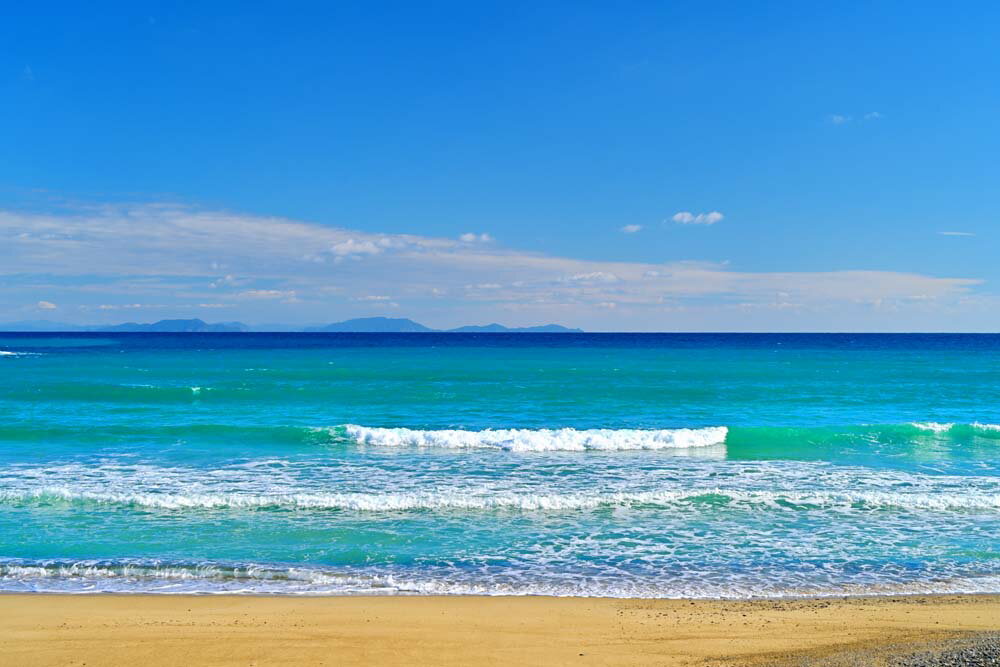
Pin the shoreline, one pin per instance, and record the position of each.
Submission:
(499, 596)
(167, 629)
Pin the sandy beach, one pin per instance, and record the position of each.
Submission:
(234, 630)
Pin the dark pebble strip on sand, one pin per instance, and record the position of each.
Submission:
(980, 650)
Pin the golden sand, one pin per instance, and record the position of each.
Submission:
(237, 630)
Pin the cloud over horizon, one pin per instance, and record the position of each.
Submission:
(180, 258)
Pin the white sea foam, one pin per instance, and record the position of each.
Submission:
(936, 427)
(477, 499)
(986, 427)
(946, 427)
(220, 578)
(541, 440)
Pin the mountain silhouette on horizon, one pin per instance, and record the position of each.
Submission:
(355, 325)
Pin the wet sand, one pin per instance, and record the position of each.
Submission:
(192, 631)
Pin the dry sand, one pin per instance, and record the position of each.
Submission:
(233, 630)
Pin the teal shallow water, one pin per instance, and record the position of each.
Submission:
(638, 465)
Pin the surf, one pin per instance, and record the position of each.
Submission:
(540, 440)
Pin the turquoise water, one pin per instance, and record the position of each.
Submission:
(611, 465)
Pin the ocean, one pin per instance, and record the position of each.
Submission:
(666, 465)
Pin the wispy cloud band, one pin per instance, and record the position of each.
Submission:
(265, 268)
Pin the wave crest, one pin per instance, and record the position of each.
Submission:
(477, 499)
(167, 577)
(951, 427)
(540, 440)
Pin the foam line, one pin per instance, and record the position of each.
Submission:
(540, 440)
(471, 499)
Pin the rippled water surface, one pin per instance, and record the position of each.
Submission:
(637, 465)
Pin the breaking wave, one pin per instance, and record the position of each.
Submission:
(540, 440)
(164, 577)
(951, 427)
(475, 499)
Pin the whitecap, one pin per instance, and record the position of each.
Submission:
(471, 499)
(541, 440)
(986, 427)
(936, 427)
(141, 576)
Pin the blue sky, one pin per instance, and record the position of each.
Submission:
(303, 162)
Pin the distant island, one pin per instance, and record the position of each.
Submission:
(179, 326)
(357, 325)
(403, 325)
(373, 325)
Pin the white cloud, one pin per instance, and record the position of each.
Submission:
(372, 297)
(843, 119)
(165, 255)
(227, 281)
(631, 229)
(594, 277)
(267, 294)
(471, 237)
(128, 306)
(351, 247)
(956, 233)
(46, 305)
(689, 218)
